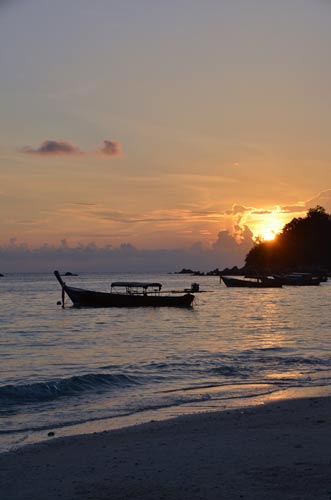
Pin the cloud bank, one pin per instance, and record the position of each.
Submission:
(225, 252)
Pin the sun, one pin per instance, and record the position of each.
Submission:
(268, 229)
(268, 234)
(266, 224)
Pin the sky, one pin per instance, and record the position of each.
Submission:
(151, 134)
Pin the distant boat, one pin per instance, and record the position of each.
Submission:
(298, 279)
(136, 294)
(257, 282)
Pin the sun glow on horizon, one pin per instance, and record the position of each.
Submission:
(268, 235)
(268, 228)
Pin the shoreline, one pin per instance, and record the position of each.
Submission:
(11, 442)
(280, 450)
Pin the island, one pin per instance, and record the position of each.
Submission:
(304, 245)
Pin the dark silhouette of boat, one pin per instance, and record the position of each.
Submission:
(256, 282)
(298, 279)
(136, 294)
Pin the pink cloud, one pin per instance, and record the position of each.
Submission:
(53, 147)
(110, 148)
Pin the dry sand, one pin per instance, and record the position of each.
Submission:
(279, 451)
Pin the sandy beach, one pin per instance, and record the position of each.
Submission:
(278, 451)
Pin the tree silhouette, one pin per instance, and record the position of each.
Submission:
(303, 245)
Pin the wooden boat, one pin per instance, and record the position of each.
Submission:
(298, 279)
(136, 294)
(257, 282)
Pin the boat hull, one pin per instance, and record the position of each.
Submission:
(89, 298)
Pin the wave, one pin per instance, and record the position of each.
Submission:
(178, 400)
(53, 389)
(245, 365)
(231, 371)
(259, 366)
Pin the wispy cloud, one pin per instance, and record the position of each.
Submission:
(323, 199)
(292, 209)
(53, 147)
(154, 216)
(261, 212)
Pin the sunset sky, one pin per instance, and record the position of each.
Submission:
(152, 125)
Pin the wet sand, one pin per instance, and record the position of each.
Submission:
(278, 451)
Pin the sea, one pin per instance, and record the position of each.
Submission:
(74, 371)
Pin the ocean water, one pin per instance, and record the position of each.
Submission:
(69, 371)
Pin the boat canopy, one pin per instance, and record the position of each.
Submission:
(136, 284)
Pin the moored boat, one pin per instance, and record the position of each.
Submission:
(298, 279)
(135, 294)
(257, 282)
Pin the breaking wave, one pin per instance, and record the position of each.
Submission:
(53, 389)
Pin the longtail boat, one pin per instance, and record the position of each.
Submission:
(135, 294)
(257, 282)
(299, 279)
